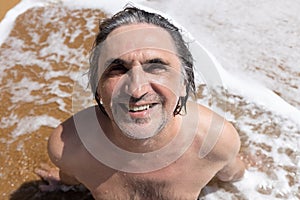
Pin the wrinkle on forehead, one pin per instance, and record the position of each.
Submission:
(137, 37)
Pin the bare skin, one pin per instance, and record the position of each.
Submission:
(182, 179)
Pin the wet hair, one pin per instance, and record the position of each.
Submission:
(133, 15)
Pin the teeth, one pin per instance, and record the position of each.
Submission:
(139, 108)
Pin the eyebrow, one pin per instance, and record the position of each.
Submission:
(123, 62)
(157, 61)
(115, 61)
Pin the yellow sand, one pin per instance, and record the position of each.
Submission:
(6, 5)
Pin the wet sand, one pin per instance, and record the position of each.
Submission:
(42, 55)
(6, 6)
(20, 155)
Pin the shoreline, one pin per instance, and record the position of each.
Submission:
(262, 132)
(6, 6)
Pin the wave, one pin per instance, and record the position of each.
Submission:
(47, 48)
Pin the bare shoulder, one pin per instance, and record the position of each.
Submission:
(229, 142)
(64, 142)
(219, 131)
(55, 145)
(61, 140)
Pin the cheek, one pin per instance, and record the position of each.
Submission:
(172, 101)
(106, 90)
(170, 98)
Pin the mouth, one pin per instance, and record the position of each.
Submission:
(140, 108)
(138, 111)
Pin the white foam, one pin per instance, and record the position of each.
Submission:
(249, 187)
(259, 94)
(109, 7)
(20, 90)
(30, 124)
(244, 86)
(237, 83)
(8, 121)
(8, 21)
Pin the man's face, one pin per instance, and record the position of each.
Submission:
(141, 79)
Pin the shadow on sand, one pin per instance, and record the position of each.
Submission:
(30, 191)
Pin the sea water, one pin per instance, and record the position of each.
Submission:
(254, 42)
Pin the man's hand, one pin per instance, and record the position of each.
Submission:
(51, 176)
(233, 171)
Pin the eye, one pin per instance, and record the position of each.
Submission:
(116, 70)
(155, 68)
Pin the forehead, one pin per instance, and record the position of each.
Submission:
(136, 38)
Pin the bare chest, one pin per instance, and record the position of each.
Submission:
(180, 180)
(143, 187)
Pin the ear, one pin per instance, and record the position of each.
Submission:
(98, 98)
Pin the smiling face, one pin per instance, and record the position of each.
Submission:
(141, 79)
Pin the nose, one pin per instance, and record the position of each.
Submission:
(137, 84)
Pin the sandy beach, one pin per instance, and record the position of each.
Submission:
(21, 155)
(6, 6)
(43, 56)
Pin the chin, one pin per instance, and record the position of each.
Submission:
(144, 128)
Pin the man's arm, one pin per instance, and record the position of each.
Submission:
(55, 177)
(233, 171)
(55, 151)
(229, 147)
(67, 179)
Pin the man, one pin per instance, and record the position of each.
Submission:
(145, 139)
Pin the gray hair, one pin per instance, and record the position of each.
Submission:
(133, 15)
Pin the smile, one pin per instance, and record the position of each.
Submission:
(139, 108)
